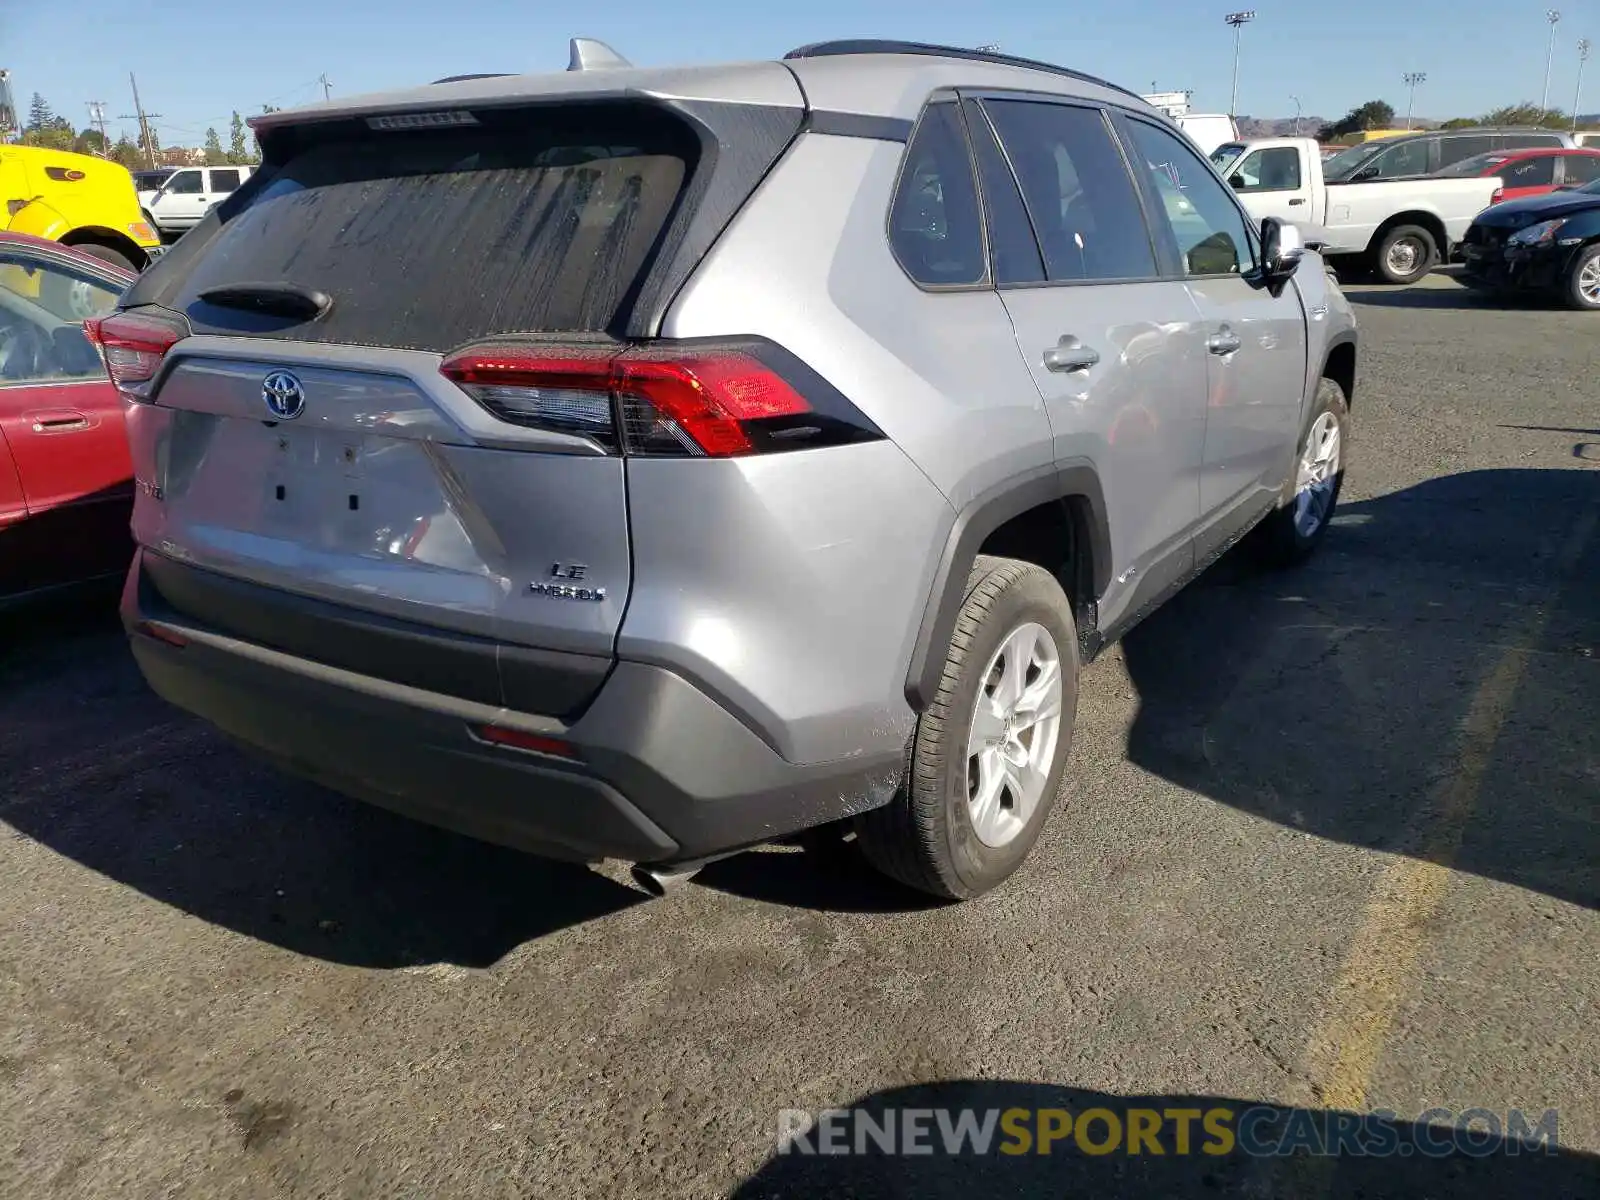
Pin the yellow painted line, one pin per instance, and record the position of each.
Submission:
(1381, 963)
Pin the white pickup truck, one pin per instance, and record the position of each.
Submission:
(1399, 227)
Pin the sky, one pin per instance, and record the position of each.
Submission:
(197, 63)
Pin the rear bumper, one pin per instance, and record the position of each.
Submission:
(663, 773)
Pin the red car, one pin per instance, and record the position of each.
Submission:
(1529, 172)
(66, 481)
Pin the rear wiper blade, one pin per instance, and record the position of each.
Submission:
(275, 299)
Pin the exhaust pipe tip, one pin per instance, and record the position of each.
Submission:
(657, 881)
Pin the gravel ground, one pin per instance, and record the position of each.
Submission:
(1330, 841)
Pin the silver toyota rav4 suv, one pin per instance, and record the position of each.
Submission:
(647, 464)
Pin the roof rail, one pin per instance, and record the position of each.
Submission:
(464, 78)
(587, 54)
(888, 46)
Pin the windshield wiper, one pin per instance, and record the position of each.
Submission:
(273, 299)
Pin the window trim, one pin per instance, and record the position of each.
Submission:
(979, 95)
(970, 105)
(942, 96)
(1255, 275)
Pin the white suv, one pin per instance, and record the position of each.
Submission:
(187, 195)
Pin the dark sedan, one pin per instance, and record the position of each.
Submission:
(1548, 244)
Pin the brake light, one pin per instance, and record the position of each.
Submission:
(133, 345)
(715, 400)
(1499, 195)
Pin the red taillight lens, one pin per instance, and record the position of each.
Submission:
(707, 400)
(1499, 195)
(133, 345)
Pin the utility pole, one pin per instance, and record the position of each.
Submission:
(1297, 110)
(327, 88)
(1413, 79)
(97, 118)
(1553, 16)
(1577, 96)
(1238, 20)
(144, 119)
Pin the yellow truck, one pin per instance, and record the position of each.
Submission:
(77, 200)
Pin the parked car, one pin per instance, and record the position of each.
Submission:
(1399, 228)
(77, 200)
(188, 194)
(66, 480)
(1424, 153)
(1528, 172)
(1546, 244)
(679, 501)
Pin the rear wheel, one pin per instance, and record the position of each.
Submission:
(1297, 526)
(1405, 254)
(1583, 280)
(988, 755)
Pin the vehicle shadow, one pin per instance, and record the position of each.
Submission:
(1402, 1158)
(1427, 685)
(1455, 297)
(103, 772)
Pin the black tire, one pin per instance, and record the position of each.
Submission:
(1426, 254)
(106, 254)
(924, 837)
(1571, 292)
(1282, 538)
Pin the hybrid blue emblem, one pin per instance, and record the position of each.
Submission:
(282, 394)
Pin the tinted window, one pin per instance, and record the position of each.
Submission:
(1457, 147)
(1078, 191)
(1211, 233)
(1275, 170)
(1581, 168)
(934, 224)
(42, 309)
(186, 183)
(224, 181)
(1514, 140)
(1404, 158)
(1530, 172)
(1471, 168)
(1012, 245)
(429, 239)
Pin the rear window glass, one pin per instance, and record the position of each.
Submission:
(428, 240)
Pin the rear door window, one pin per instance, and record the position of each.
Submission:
(1580, 168)
(1079, 193)
(528, 222)
(1530, 172)
(224, 180)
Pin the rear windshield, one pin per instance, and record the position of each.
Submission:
(426, 240)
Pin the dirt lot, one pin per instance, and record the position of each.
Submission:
(1331, 841)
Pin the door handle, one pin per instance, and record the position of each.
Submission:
(63, 421)
(1069, 354)
(1224, 342)
(1294, 203)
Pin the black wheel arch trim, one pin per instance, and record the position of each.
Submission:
(973, 524)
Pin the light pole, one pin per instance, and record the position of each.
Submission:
(1577, 96)
(1553, 16)
(1413, 78)
(1297, 111)
(1238, 20)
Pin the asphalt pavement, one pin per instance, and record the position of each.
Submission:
(1330, 842)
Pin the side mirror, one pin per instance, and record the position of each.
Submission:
(1282, 248)
(1365, 173)
(1236, 182)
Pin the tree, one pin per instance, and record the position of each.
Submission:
(214, 152)
(1460, 123)
(126, 153)
(1374, 114)
(91, 141)
(238, 148)
(1526, 114)
(40, 114)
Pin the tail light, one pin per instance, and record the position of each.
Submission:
(685, 399)
(1499, 195)
(133, 344)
